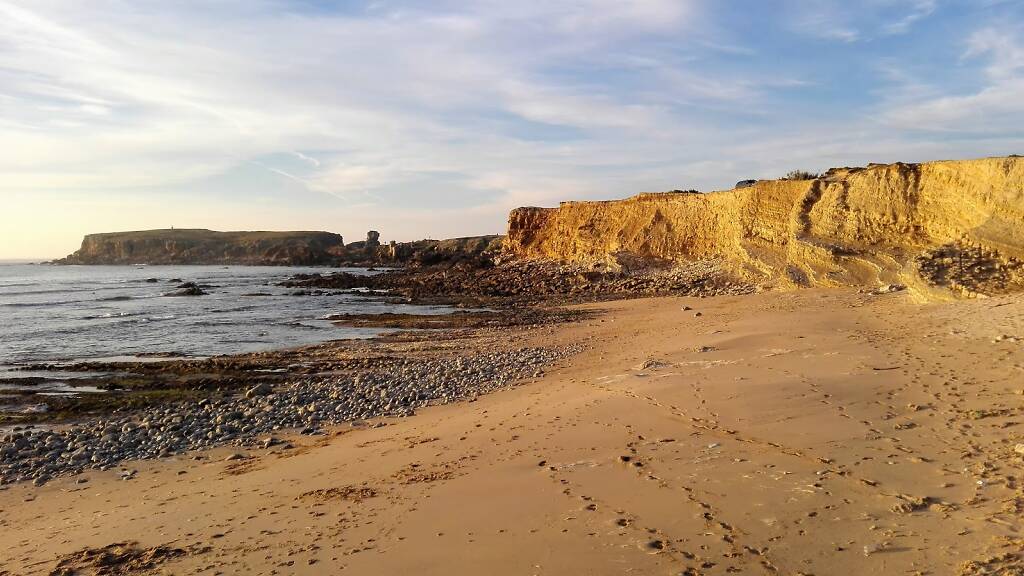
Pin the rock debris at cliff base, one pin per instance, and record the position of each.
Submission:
(971, 270)
(532, 281)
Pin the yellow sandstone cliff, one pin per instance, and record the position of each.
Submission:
(935, 226)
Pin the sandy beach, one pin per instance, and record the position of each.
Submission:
(532, 288)
(809, 432)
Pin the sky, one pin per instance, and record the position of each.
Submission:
(433, 118)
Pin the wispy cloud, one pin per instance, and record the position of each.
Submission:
(435, 117)
(825, 19)
(916, 11)
(309, 159)
(996, 107)
(851, 22)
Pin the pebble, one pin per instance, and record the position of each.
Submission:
(248, 419)
(875, 548)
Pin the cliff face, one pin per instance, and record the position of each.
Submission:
(209, 247)
(952, 224)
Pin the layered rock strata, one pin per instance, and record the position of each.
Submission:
(933, 226)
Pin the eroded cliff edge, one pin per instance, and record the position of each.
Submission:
(939, 227)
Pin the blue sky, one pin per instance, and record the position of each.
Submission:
(434, 118)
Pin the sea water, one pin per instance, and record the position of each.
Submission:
(65, 313)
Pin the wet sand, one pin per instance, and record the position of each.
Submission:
(812, 432)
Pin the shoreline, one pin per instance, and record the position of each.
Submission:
(815, 432)
(387, 375)
(234, 372)
(475, 297)
(60, 323)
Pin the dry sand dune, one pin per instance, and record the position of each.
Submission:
(811, 432)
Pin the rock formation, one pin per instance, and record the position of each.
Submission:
(180, 246)
(469, 249)
(183, 246)
(372, 239)
(949, 224)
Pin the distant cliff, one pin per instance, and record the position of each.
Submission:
(198, 246)
(183, 246)
(953, 225)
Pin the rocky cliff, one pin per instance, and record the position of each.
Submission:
(183, 246)
(178, 246)
(469, 249)
(935, 226)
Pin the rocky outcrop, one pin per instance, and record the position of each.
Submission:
(469, 250)
(895, 223)
(516, 281)
(182, 246)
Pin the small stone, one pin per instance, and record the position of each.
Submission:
(235, 456)
(875, 548)
(263, 389)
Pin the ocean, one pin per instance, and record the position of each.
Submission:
(68, 313)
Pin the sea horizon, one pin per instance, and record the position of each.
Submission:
(6, 261)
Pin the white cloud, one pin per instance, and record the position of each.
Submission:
(1003, 47)
(375, 90)
(445, 114)
(996, 108)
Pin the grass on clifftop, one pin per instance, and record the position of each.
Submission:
(201, 233)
